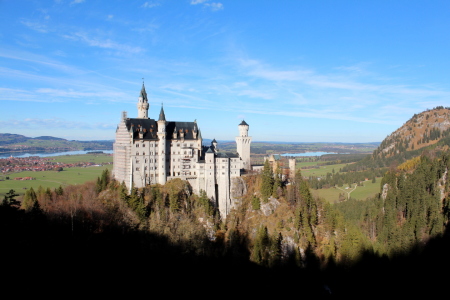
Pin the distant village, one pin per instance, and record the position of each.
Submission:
(35, 163)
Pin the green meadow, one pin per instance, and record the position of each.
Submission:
(320, 171)
(368, 189)
(53, 179)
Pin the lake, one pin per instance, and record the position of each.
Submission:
(47, 154)
(308, 154)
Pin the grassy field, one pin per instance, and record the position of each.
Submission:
(361, 192)
(321, 171)
(53, 179)
(95, 158)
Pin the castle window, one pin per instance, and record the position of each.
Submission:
(178, 145)
(145, 168)
(137, 153)
(137, 161)
(143, 153)
(137, 145)
(137, 168)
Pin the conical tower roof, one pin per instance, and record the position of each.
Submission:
(143, 93)
(162, 116)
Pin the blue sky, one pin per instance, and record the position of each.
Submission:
(296, 71)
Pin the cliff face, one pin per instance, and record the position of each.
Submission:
(422, 130)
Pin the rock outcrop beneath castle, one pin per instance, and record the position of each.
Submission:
(149, 151)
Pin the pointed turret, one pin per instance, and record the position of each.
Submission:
(162, 116)
(162, 148)
(142, 104)
(143, 93)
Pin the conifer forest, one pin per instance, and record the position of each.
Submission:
(278, 238)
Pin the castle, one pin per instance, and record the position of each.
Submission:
(149, 151)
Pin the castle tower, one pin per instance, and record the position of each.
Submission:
(292, 162)
(243, 142)
(210, 172)
(162, 147)
(142, 104)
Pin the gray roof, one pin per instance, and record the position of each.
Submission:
(227, 154)
(150, 128)
(143, 93)
(243, 123)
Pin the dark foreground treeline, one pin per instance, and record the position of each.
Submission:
(42, 255)
(155, 241)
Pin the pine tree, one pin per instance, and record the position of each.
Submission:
(29, 200)
(277, 182)
(10, 199)
(267, 181)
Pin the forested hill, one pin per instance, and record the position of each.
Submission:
(422, 130)
(16, 142)
(426, 131)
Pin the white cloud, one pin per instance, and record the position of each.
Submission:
(101, 43)
(255, 94)
(150, 4)
(29, 57)
(77, 1)
(54, 123)
(214, 6)
(195, 2)
(35, 26)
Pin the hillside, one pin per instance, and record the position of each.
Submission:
(16, 143)
(421, 131)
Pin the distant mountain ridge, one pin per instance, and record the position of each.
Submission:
(49, 138)
(17, 142)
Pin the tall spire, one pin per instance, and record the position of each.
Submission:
(143, 93)
(142, 104)
(162, 116)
